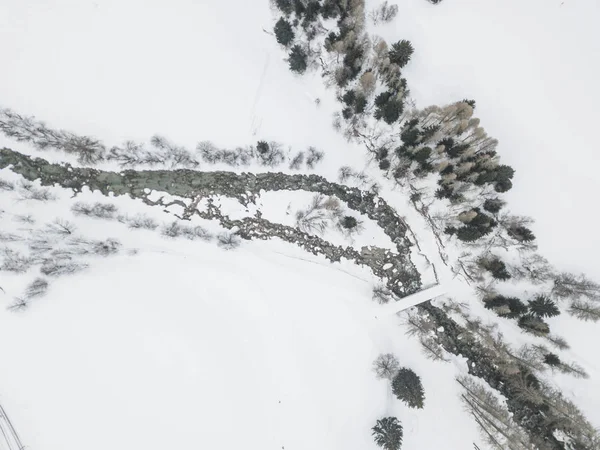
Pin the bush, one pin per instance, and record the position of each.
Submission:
(388, 433)
(99, 210)
(407, 387)
(228, 241)
(284, 32)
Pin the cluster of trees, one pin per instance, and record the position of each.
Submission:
(160, 152)
(406, 384)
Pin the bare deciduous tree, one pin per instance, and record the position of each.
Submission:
(386, 366)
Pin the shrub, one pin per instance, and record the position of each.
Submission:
(284, 32)
(382, 294)
(407, 387)
(388, 433)
(228, 240)
(386, 366)
(99, 210)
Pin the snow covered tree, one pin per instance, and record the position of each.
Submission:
(543, 306)
(401, 53)
(386, 366)
(384, 13)
(585, 310)
(298, 59)
(495, 266)
(286, 6)
(509, 307)
(493, 205)
(534, 324)
(284, 32)
(388, 433)
(407, 387)
(575, 286)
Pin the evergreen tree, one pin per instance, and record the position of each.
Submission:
(262, 147)
(407, 386)
(384, 164)
(401, 53)
(349, 222)
(493, 205)
(534, 324)
(297, 59)
(552, 360)
(521, 233)
(422, 155)
(388, 433)
(509, 307)
(284, 33)
(286, 6)
(496, 267)
(543, 306)
(360, 104)
(389, 107)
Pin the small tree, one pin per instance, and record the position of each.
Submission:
(575, 286)
(349, 222)
(386, 366)
(585, 310)
(388, 433)
(543, 306)
(534, 325)
(284, 33)
(407, 387)
(401, 53)
(298, 59)
(493, 205)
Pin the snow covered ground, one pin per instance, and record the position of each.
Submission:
(185, 345)
(182, 344)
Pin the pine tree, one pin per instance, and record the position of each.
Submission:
(401, 53)
(388, 433)
(493, 205)
(534, 324)
(509, 307)
(407, 386)
(543, 306)
(285, 6)
(284, 32)
(297, 59)
(585, 310)
(552, 360)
